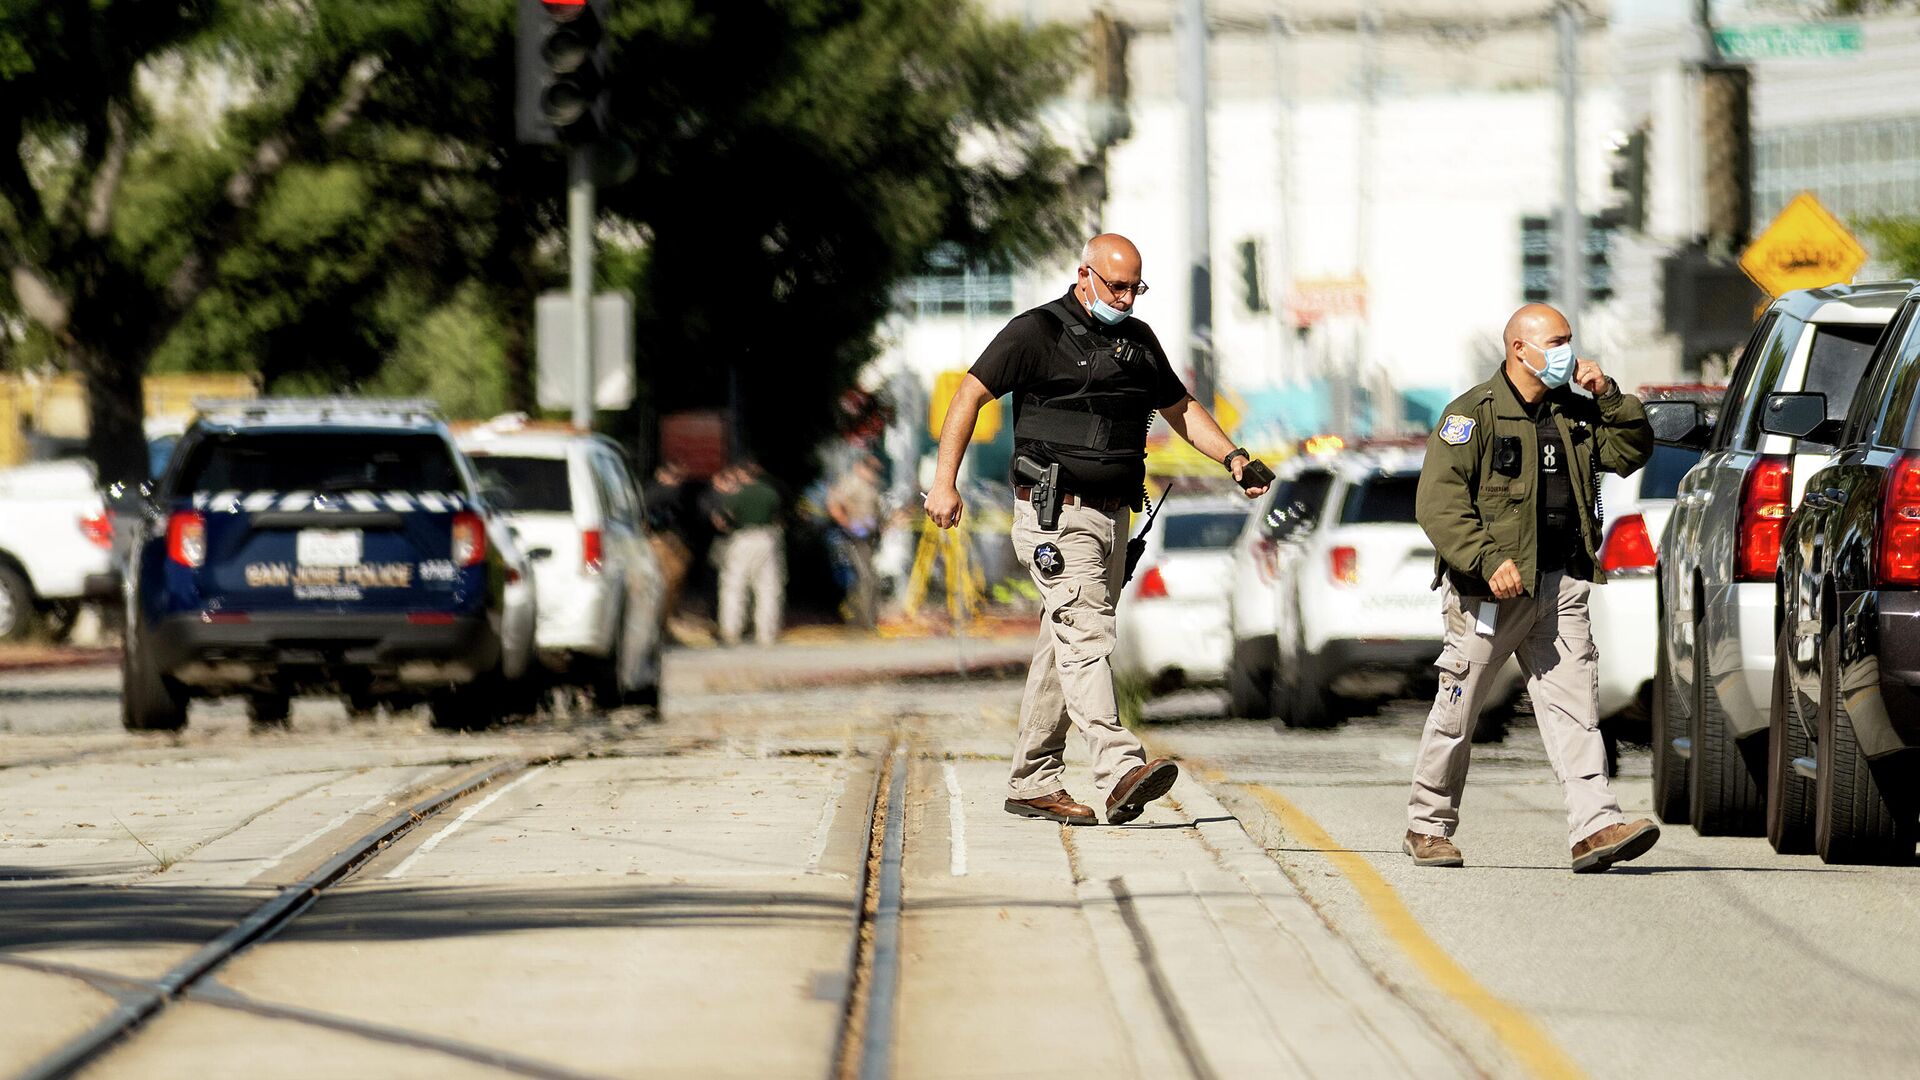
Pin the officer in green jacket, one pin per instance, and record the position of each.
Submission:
(1509, 497)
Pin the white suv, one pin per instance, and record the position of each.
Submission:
(1271, 540)
(55, 538)
(579, 517)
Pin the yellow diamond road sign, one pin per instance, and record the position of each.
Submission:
(1805, 247)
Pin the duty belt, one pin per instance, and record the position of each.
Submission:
(1106, 504)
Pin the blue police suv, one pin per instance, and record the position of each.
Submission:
(323, 546)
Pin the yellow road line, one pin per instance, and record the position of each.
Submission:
(1537, 1051)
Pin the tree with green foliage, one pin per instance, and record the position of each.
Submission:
(1896, 242)
(329, 193)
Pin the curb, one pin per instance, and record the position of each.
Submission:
(996, 666)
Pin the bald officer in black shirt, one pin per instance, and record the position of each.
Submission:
(1086, 379)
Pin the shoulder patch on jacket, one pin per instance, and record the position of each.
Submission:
(1455, 430)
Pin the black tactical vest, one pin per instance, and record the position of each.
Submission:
(1098, 433)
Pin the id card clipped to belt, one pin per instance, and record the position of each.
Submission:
(1486, 618)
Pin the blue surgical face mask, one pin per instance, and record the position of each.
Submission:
(1106, 312)
(1559, 366)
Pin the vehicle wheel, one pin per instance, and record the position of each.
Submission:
(268, 710)
(479, 704)
(647, 694)
(149, 701)
(1670, 800)
(1311, 704)
(361, 706)
(1725, 797)
(1789, 795)
(1854, 822)
(17, 613)
(1248, 684)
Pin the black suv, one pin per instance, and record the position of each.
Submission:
(1846, 699)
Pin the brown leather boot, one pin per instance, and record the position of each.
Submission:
(1141, 785)
(1614, 844)
(1431, 850)
(1055, 806)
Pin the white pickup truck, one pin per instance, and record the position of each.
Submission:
(55, 544)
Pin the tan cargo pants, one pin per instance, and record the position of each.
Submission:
(754, 564)
(1550, 635)
(1071, 679)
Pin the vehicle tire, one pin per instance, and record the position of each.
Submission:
(149, 701)
(479, 704)
(268, 710)
(361, 706)
(1726, 796)
(1670, 801)
(1789, 795)
(18, 615)
(1248, 684)
(1853, 820)
(1311, 704)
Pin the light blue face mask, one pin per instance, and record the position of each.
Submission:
(1559, 367)
(1106, 312)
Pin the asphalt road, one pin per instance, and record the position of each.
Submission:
(675, 895)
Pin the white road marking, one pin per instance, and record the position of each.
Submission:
(338, 820)
(454, 826)
(821, 829)
(956, 821)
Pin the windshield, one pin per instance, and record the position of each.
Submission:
(307, 461)
(525, 485)
(1837, 362)
(1209, 530)
(1381, 499)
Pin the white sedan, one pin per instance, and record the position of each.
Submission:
(1173, 627)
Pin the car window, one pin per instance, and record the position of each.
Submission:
(159, 452)
(525, 484)
(613, 485)
(1897, 428)
(1298, 505)
(1760, 376)
(1660, 476)
(1742, 367)
(307, 461)
(1868, 398)
(1836, 362)
(1188, 532)
(1383, 498)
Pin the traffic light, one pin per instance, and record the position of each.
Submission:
(562, 76)
(1630, 180)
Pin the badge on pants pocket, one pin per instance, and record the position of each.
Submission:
(1048, 560)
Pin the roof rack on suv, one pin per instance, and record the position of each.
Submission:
(319, 408)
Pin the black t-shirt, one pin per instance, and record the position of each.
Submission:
(1558, 528)
(1029, 357)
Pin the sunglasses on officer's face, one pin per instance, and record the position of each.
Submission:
(1136, 289)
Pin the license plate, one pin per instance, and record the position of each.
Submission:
(328, 547)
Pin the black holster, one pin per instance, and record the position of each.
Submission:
(1045, 481)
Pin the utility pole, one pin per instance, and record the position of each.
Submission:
(580, 279)
(1190, 30)
(1573, 225)
(1288, 369)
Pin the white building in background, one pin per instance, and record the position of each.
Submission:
(1382, 174)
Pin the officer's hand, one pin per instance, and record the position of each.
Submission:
(1506, 581)
(1588, 374)
(1240, 466)
(944, 505)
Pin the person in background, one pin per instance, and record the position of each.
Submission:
(753, 563)
(854, 505)
(666, 497)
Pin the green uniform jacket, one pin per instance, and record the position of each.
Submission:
(1478, 518)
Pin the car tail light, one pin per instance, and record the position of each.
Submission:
(430, 618)
(1900, 524)
(1153, 585)
(187, 538)
(592, 555)
(469, 539)
(1345, 565)
(1266, 558)
(98, 529)
(1764, 505)
(1628, 546)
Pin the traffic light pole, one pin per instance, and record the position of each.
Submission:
(580, 279)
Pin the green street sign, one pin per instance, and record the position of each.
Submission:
(1788, 41)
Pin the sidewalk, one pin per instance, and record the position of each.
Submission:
(852, 659)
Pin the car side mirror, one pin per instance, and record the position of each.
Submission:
(1678, 423)
(1801, 416)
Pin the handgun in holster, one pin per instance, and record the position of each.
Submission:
(1045, 481)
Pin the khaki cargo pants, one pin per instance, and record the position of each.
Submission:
(1550, 635)
(1071, 679)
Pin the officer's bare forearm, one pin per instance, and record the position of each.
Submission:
(1191, 421)
(957, 431)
